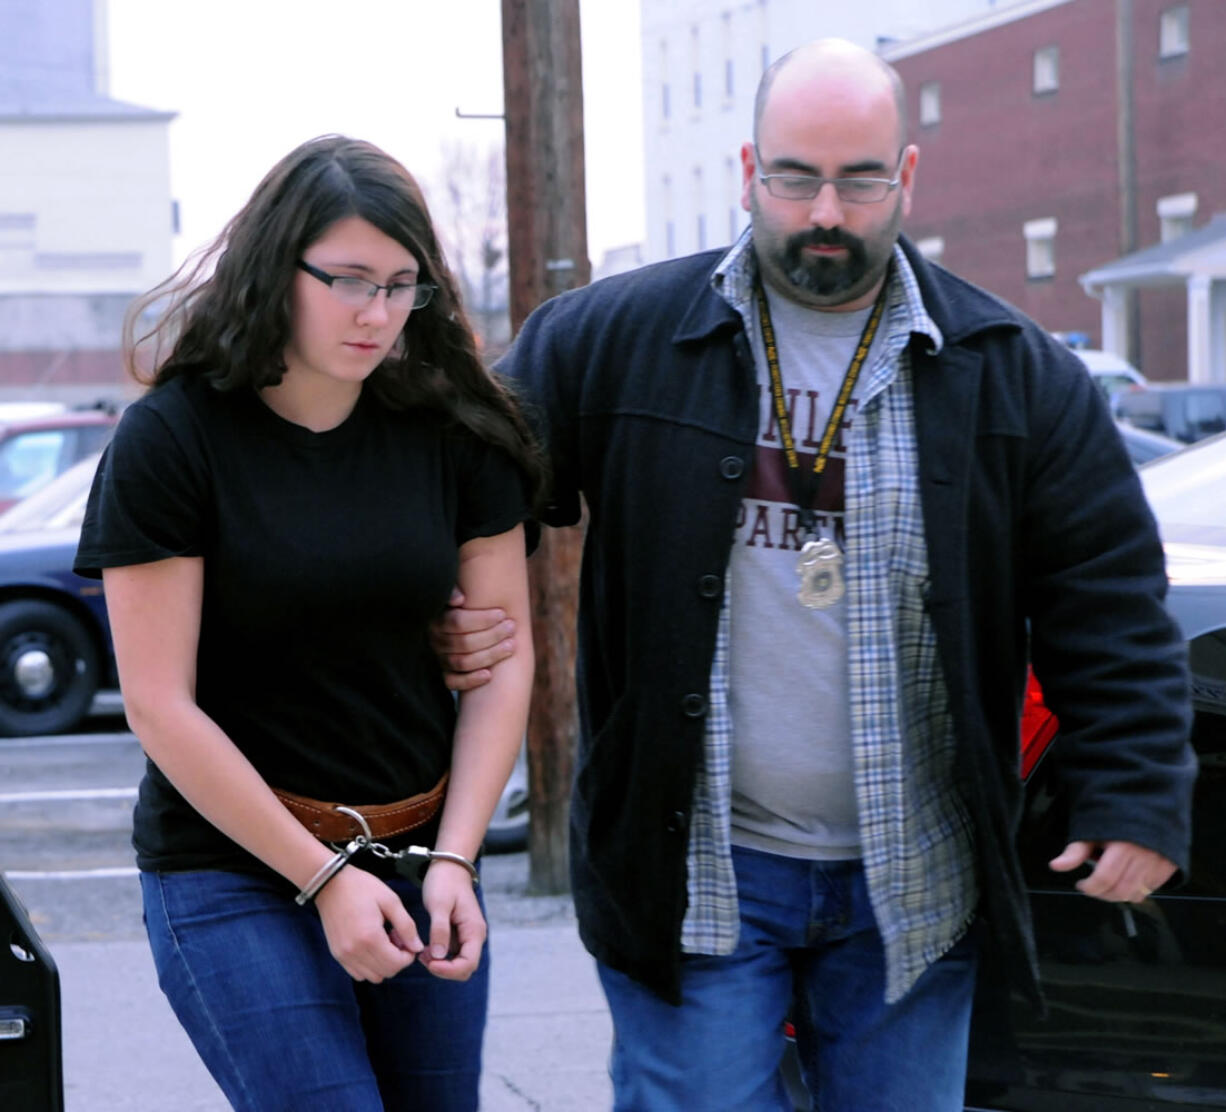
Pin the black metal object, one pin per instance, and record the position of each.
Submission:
(31, 1071)
(1136, 995)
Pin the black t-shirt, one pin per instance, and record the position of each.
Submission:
(325, 556)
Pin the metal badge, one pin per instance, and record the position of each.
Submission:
(820, 568)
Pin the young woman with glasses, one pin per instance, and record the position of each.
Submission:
(320, 459)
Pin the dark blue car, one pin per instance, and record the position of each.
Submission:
(55, 641)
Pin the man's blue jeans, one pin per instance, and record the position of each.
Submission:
(280, 1025)
(808, 938)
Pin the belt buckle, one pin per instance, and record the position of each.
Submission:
(361, 820)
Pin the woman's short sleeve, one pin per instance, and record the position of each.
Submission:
(493, 496)
(146, 502)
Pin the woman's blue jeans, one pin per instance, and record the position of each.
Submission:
(280, 1025)
(808, 940)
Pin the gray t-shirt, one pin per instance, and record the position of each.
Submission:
(793, 787)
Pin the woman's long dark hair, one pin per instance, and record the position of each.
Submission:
(226, 313)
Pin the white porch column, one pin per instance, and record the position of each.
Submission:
(1217, 330)
(1115, 320)
(1199, 287)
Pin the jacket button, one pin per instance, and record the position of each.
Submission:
(694, 706)
(732, 467)
(710, 586)
(676, 823)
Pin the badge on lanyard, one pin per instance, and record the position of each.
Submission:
(820, 566)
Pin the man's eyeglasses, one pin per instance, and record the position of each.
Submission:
(358, 292)
(804, 187)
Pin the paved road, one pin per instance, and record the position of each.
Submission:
(65, 808)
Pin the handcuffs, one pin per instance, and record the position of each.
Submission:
(411, 862)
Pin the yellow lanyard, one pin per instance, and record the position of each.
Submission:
(806, 499)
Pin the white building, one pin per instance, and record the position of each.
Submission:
(86, 217)
(702, 60)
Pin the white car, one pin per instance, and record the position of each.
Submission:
(1112, 372)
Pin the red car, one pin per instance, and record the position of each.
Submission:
(35, 447)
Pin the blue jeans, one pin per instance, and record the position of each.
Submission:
(808, 941)
(280, 1025)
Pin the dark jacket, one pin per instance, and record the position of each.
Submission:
(1040, 544)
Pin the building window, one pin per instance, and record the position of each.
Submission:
(17, 231)
(696, 60)
(728, 71)
(1040, 247)
(18, 240)
(764, 22)
(1176, 215)
(701, 221)
(88, 260)
(731, 191)
(930, 103)
(1173, 38)
(1047, 69)
(665, 96)
(670, 228)
(932, 248)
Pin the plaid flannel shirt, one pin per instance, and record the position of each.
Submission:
(916, 836)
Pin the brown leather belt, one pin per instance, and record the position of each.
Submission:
(384, 819)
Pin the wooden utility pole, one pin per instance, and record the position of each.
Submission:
(1125, 137)
(547, 249)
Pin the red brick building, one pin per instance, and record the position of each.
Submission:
(1058, 135)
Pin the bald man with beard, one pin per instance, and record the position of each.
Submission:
(838, 499)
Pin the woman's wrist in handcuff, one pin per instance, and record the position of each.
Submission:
(465, 863)
(342, 857)
(325, 873)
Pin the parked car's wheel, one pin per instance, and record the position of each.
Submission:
(48, 669)
(508, 829)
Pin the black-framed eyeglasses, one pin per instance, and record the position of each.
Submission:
(360, 292)
(856, 191)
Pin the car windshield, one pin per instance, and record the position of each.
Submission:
(29, 461)
(1207, 411)
(1185, 491)
(58, 505)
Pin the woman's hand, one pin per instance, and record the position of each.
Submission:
(457, 927)
(368, 929)
(492, 575)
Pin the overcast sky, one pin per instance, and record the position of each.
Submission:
(251, 79)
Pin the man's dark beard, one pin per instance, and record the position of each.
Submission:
(820, 275)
